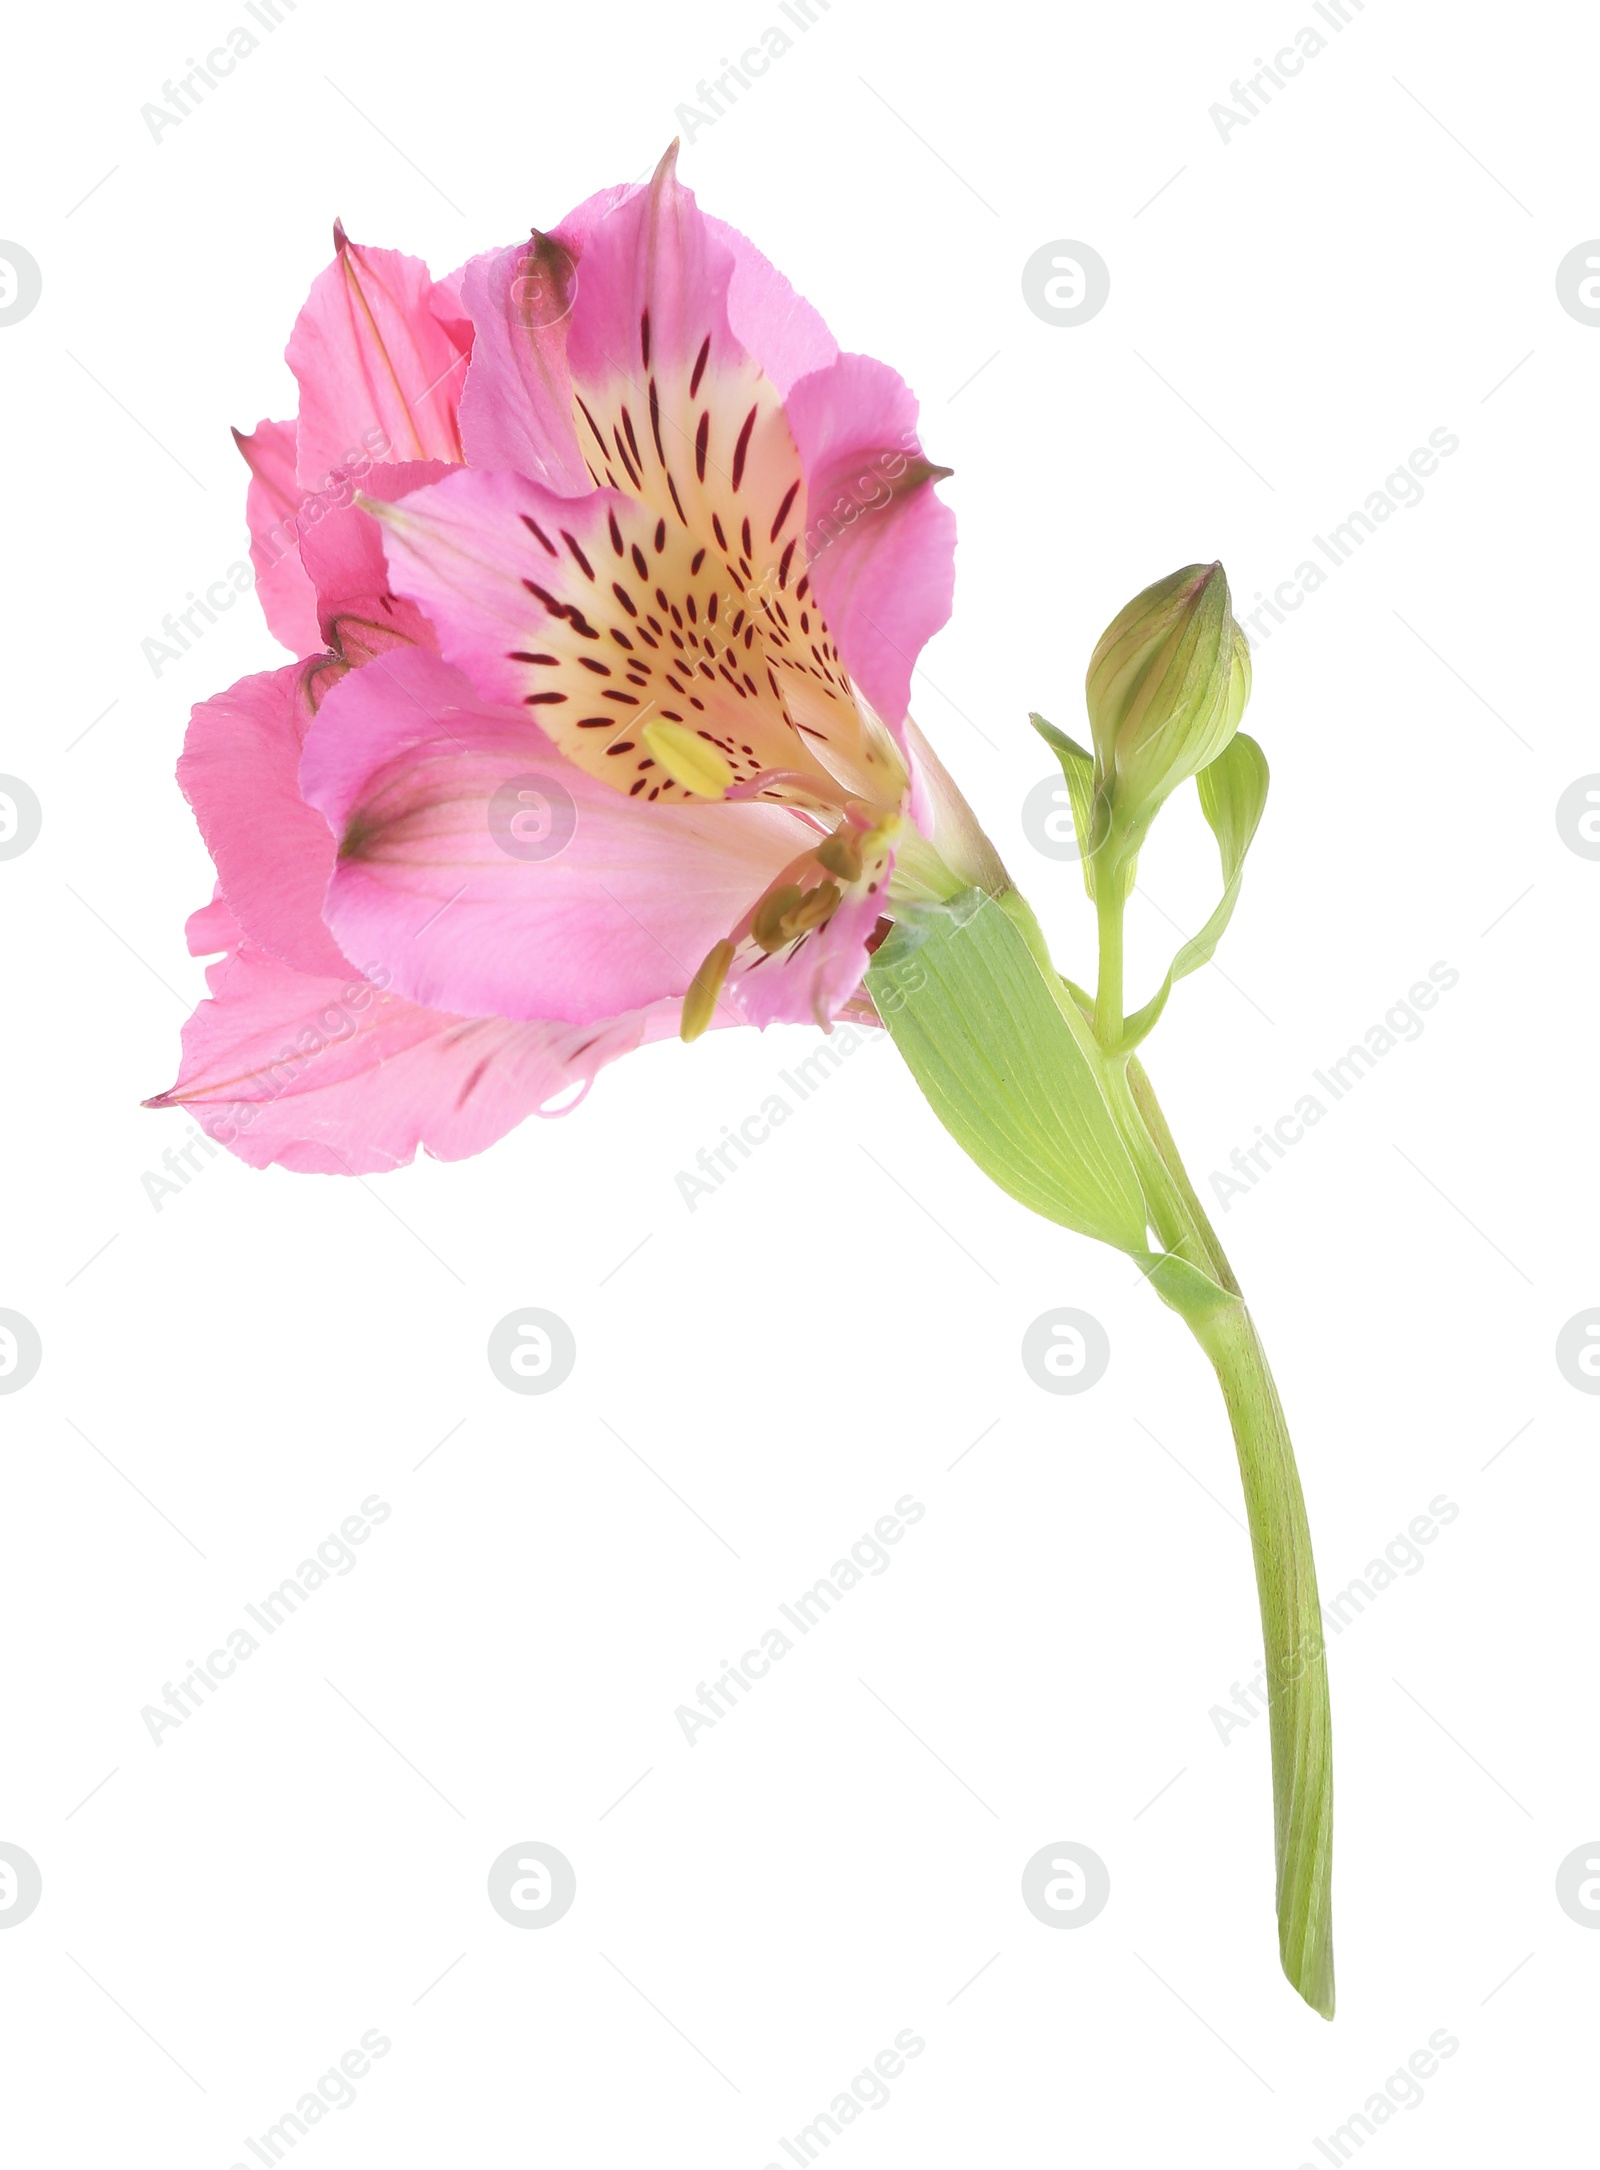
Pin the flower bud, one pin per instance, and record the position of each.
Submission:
(1167, 685)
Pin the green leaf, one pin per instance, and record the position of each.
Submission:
(1186, 1288)
(1233, 791)
(1091, 817)
(1009, 1066)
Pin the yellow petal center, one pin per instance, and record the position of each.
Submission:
(688, 759)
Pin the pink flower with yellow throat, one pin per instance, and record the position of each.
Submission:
(599, 729)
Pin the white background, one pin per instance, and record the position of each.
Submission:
(1371, 258)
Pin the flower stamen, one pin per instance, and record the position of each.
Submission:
(790, 911)
(699, 1004)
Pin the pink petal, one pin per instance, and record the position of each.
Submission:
(329, 1074)
(882, 545)
(212, 928)
(821, 493)
(676, 408)
(784, 333)
(516, 409)
(654, 285)
(342, 550)
(273, 853)
(288, 600)
(379, 350)
(449, 305)
(420, 778)
(811, 983)
(462, 551)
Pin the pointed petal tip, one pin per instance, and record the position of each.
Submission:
(341, 240)
(667, 169)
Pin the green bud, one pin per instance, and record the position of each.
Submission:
(1167, 685)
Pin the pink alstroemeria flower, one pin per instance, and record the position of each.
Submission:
(606, 572)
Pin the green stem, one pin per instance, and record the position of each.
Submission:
(1161, 1137)
(1110, 904)
(1211, 1304)
(1280, 1542)
(1297, 1673)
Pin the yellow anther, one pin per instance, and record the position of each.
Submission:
(814, 909)
(699, 1004)
(841, 854)
(768, 924)
(688, 759)
(785, 914)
